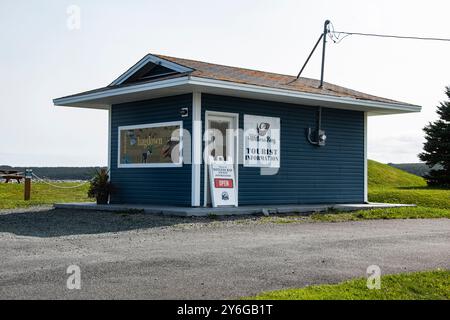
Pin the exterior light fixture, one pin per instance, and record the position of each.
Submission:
(184, 112)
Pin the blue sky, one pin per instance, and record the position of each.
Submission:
(41, 59)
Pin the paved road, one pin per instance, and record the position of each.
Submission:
(136, 256)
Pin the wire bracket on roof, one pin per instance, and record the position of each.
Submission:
(323, 38)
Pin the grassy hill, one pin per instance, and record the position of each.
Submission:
(392, 185)
(383, 175)
(419, 169)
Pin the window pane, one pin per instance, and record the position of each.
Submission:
(150, 145)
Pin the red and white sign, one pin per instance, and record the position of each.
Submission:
(223, 183)
(223, 191)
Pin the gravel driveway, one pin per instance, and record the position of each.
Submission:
(130, 255)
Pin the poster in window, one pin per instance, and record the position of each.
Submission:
(150, 145)
(261, 141)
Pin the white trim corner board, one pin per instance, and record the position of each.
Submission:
(366, 169)
(196, 148)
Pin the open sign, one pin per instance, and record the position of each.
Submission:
(223, 183)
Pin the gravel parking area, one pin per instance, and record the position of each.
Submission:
(46, 222)
(133, 255)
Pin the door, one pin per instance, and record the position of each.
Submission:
(221, 142)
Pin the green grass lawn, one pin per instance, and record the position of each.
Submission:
(428, 285)
(431, 203)
(388, 185)
(424, 197)
(383, 175)
(11, 195)
(392, 185)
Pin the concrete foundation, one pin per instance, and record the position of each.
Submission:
(243, 210)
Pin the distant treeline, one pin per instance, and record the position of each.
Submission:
(59, 173)
(419, 169)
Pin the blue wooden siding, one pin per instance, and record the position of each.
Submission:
(168, 186)
(308, 174)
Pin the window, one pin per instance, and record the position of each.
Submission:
(151, 145)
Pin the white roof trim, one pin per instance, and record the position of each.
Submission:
(89, 96)
(205, 85)
(302, 95)
(150, 58)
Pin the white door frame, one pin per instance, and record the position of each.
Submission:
(236, 152)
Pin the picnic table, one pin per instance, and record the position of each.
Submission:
(11, 175)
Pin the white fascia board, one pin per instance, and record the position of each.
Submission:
(120, 91)
(153, 59)
(236, 89)
(313, 97)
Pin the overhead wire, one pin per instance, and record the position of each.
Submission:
(336, 36)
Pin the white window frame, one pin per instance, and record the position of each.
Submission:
(150, 165)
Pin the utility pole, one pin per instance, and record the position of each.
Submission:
(323, 37)
(325, 32)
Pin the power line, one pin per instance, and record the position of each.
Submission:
(338, 36)
(339, 33)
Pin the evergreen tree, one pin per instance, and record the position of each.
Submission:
(437, 147)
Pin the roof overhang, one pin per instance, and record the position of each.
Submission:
(105, 97)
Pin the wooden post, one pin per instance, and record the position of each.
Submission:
(27, 192)
(27, 189)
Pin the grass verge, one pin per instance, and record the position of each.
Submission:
(372, 214)
(431, 203)
(428, 285)
(11, 195)
(386, 213)
(424, 197)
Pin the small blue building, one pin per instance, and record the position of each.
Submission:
(168, 115)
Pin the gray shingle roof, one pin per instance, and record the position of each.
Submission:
(250, 77)
(272, 80)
